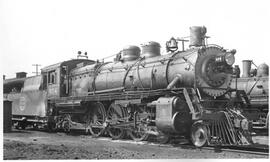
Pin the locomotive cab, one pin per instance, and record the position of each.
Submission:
(56, 80)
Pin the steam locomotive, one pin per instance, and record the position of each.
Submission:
(183, 93)
(253, 84)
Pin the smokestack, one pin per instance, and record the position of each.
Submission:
(197, 36)
(246, 68)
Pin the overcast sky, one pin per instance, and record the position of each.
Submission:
(49, 31)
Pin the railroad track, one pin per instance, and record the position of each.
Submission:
(234, 149)
(218, 149)
(237, 149)
(262, 150)
(255, 150)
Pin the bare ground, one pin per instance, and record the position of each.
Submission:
(29, 144)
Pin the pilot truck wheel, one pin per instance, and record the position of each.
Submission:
(199, 134)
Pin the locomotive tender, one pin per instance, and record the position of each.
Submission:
(183, 93)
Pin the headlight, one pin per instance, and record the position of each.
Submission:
(229, 58)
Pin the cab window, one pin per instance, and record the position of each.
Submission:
(52, 77)
(44, 81)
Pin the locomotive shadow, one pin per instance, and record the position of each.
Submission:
(18, 131)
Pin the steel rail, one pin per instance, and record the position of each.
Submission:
(218, 149)
(258, 152)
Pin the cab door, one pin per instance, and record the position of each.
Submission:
(53, 83)
(64, 81)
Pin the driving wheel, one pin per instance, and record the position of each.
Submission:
(116, 115)
(97, 119)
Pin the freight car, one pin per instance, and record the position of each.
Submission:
(254, 86)
(183, 93)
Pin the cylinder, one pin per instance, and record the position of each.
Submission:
(263, 70)
(130, 53)
(197, 36)
(246, 68)
(7, 116)
(168, 116)
(150, 49)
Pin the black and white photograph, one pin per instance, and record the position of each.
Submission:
(134, 79)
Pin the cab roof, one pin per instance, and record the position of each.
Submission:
(69, 62)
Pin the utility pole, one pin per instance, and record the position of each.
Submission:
(36, 65)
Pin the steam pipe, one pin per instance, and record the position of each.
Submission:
(107, 90)
(177, 79)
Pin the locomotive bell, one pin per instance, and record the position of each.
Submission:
(253, 72)
(197, 36)
(172, 45)
(150, 49)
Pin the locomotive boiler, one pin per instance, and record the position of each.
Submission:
(254, 85)
(183, 93)
(205, 67)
